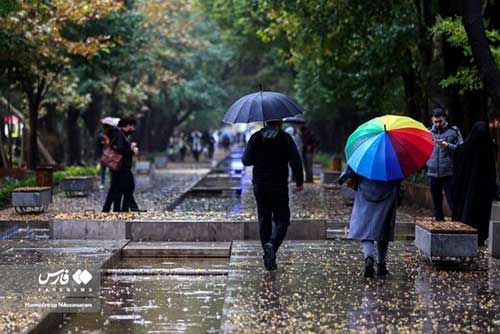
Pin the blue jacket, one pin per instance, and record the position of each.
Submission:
(441, 162)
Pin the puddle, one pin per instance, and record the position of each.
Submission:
(156, 303)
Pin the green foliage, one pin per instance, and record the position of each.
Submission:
(8, 187)
(8, 6)
(74, 171)
(325, 160)
(467, 77)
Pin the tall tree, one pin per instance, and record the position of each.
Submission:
(35, 49)
(471, 11)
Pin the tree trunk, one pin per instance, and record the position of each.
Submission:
(481, 52)
(453, 58)
(34, 105)
(93, 113)
(26, 134)
(74, 137)
(410, 85)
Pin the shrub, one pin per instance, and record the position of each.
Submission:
(30, 181)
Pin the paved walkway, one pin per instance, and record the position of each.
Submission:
(155, 192)
(318, 288)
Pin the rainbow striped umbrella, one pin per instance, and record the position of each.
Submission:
(389, 148)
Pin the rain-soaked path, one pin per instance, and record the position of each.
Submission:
(318, 288)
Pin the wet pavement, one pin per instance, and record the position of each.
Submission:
(22, 261)
(318, 288)
(155, 193)
(157, 303)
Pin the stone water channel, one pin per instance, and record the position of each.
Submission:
(165, 288)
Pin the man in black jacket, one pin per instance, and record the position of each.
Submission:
(122, 181)
(269, 151)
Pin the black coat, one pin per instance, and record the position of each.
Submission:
(120, 143)
(270, 152)
(474, 184)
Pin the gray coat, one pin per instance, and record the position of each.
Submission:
(441, 162)
(374, 212)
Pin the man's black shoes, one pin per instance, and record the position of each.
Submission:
(382, 269)
(269, 257)
(369, 269)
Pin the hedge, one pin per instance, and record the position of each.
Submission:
(7, 188)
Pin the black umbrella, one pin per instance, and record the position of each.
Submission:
(262, 106)
(298, 119)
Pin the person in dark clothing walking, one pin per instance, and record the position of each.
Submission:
(440, 165)
(270, 151)
(309, 144)
(474, 184)
(102, 141)
(120, 193)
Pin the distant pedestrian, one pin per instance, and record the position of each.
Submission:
(209, 143)
(225, 140)
(310, 143)
(102, 141)
(270, 151)
(122, 187)
(294, 132)
(182, 147)
(373, 219)
(474, 186)
(196, 145)
(440, 165)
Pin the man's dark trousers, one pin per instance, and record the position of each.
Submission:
(127, 187)
(114, 196)
(272, 205)
(438, 184)
(121, 191)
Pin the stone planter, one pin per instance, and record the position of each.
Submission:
(329, 176)
(445, 239)
(494, 232)
(78, 185)
(143, 167)
(160, 162)
(31, 199)
(494, 239)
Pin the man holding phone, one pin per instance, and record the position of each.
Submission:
(440, 165)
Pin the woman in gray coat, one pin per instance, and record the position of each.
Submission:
(372, 219)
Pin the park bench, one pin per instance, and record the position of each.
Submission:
(31, 199)
(442, 240)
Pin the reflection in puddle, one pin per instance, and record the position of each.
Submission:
(155, 303)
